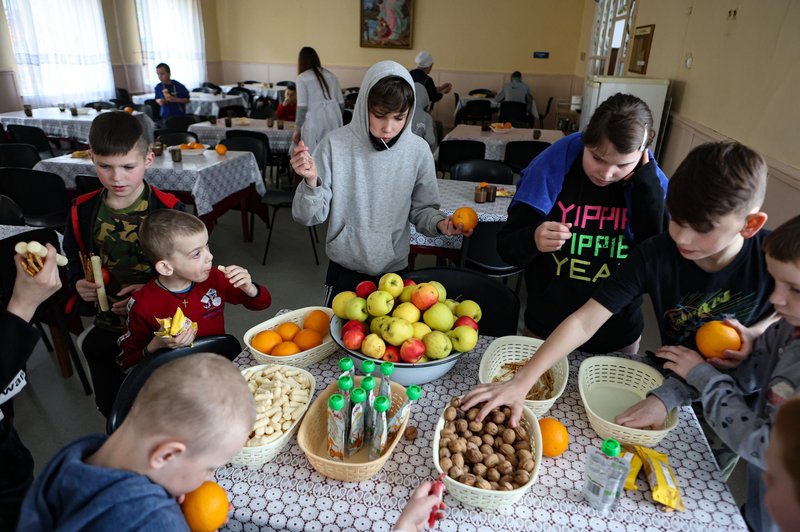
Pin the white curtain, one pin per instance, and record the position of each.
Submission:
(171, 32)
(61, 51)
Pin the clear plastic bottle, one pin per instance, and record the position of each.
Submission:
(605, 473)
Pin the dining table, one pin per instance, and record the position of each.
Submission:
(287, 493)
(213, 183)
(280, 140)
(61, 124)
(496, 141)
(260, 90)
(205, 104)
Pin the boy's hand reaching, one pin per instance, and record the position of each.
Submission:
(240, 278)
(680, 360)
(494, 395)
(731, 358)
(550, 236)
(418, 508)
(121, 306)
(87, 290)
(303, 164)
(648, 414)
(446, 227)
(185, 338)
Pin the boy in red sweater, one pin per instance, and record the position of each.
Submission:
(177, 245)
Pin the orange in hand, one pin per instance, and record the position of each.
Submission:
(287, 330)
(265, 341)
(221, 149)
(466, 216)
(206, 508)
(714, 337)
(317, 320)
(555, 437)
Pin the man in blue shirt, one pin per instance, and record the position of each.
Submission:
(171, 95)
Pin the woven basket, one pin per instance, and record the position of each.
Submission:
(255, 457)
(313, 438)
(520, 349)
(608, 386)
(303, 359)
(492, 499)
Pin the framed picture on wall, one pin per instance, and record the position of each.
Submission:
(386, 23)
(640, 52)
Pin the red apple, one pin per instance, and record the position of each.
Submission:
(424, 296)
(409, 282)
(354, 324)
(412, 350)
(353, 339)
(106, 275)
(465, 320)
(392, 353)
(365, 288)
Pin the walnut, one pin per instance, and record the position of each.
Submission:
(487, 439)
(490, 428)
(461, 425)
(506, 410)
(482, 484)
(521, 477)
(455, 402)
(445, 464)
(458, 460)
(505, 486)
(491, 461)
(509, 436)
(524, 445)
(472, 413)
(410, 433)
(449, 413)
(468, 479)
(498, 417)
(473, 456)
(505, 449)
(505, 468)
(475, 426)
(458, 446)
(444, 453)
(507, 478)
(448, 433)
(492, 474)
(527, 465)
(486, 449)
(521, 433)
(455, 472)
(523, 455)
(480, 470)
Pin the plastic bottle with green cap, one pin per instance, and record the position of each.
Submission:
(413, 393)
(337, 430)
(355, 438)
(380, 434)
(367, 367)
(368, 384)
(345, 387)
(605, 473)
(385, 388)
(347, 367)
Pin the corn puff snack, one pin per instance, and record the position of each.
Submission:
(661, 478)
(34, 254)
(282, 396)
(175, 325)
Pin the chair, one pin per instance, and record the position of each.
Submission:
(26, 187)
(516, 113)
(279, 199)
(542, 116)
(520, 153)
(10, 213)
(4, 138)
(454, 151)
(204, 90)
(32, 135)
(479, 253)
(85, 183)
(179, 123)
(123, 97)
(262, 109)
(245, 141)
(479, 170)
(489, 93)
(216, 88)
(247, 93)
(284, 83)
(100, 105)
(350, 97)
(222, 344)
(174, 138)
(270, 159)
(155, 109)
(347, 116)
(499, 304)
(251, 82)
(19, 155)
(475, 112)
(232, 111)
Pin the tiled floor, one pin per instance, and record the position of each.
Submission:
(52, 411)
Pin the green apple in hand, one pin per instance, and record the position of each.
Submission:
(437, 345)
(356, 309)
(439, 317)
(379, 303)
(339, 303)
(469, 308)
(464, 338)
(392, 283)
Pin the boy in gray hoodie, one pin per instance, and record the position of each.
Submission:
(371, 178)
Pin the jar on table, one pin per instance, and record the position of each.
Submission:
(480, 194)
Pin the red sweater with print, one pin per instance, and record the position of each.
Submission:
(203, 304)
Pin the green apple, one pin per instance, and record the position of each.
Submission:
(373, 346)
(379, 303)
(378, 324)
(405, 295)
(469, 308)
(437, 345)
(340, 302)
(440, 288)
(420, 329)
(451, 304)
(408, 312)
(356, 309)
(398, 331)
(392, 283)
(464, 338)
(423, 359)
(439, 317)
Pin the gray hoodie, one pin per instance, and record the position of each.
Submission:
(369, 196)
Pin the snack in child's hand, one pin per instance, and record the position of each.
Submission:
(661, 478)
(175, 325)
(34, 254)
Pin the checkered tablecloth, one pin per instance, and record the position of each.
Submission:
(57, 124)
(496, 142)
(203, 104)
(279, 139)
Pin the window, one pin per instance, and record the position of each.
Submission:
(171, 31)
(61, 51)
(613, 20)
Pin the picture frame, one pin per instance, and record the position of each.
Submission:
(386, 23)
(640, 49)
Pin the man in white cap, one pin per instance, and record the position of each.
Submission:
(421, 74)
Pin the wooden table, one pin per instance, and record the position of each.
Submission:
(62, 124)
(496, 142)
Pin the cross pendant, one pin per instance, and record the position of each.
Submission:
(185, 303)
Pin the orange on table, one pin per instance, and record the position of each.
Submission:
(205, 508)
(317, 320)
(221, 149)
(285, 349)
(555, 437)
(466, 216)
(184, 147)
(307, 339)
(506, 125)
(265, 341)
(287, 330)
(129, 110)
(196, 146)
(714, 337)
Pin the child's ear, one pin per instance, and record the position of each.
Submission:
(753, 224)
(166, 452)
(164, 268)
(149, 158)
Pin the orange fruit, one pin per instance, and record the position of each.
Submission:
(287, 330)
(265, 341)
(714, 337)
(307, 339)
(506, 125)
(221, 149)
(205, 508)
(466, 216)
(317, 320)
(554, 437)
(196, 146)
(284, 349)
(129, 110)
(184, 147)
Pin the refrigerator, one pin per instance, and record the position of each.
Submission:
(653, 92)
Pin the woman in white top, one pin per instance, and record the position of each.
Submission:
(319, 99)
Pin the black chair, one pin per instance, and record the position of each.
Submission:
(174, 138)
(542, 116)
(347, 116)
(250, 82)
(35, 136)
(244, 141)
(85, 183)
(217, 89)
(516, 113)
(204, 90)
(479, 170)
(179, 123)
(499, 304)
(26, 186)
(123, 97)
(247, 93)
(100, 105)
(284, 83)
(10, 212)
(520, 153)
(475, 112)
(489, 93)
(223, 344)
(155, 109)
(280, 199)
(232, 111)
(452, 152)
(19, 155)
(479, 253)
(3, 135)
(263, 109)
(350, 97)
(270, 159)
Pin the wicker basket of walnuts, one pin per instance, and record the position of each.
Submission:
(488, 464)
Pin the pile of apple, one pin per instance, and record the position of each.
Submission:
(402, 321)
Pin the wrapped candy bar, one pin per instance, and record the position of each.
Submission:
(175, 325)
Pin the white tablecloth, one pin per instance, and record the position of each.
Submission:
(279, 139)
(202, 104)
(260, 90)
(288, 494)
(57, 124)
(455, 194)
(496, 142)
(209, 177)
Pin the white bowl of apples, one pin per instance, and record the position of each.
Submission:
(412, 325)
